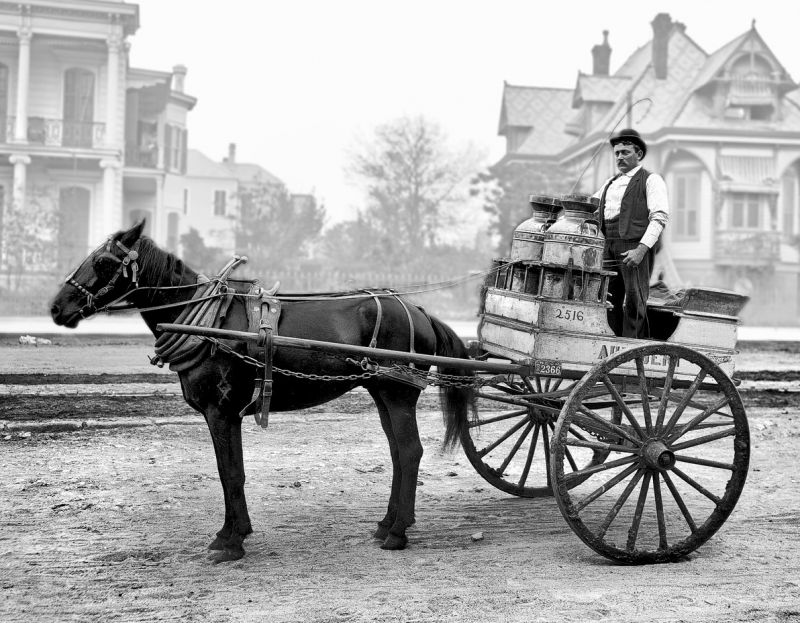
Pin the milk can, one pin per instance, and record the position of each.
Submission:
(575, 235)
(528, 238)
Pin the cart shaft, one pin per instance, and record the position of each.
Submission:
(351, 349)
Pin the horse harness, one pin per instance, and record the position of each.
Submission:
(209, 307)
(129, 259)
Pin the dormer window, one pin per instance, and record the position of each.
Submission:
(751, 89)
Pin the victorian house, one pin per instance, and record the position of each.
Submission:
(84, 137)
(723, 128)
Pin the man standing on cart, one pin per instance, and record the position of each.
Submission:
(633, 213)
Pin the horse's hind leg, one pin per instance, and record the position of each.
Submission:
(397, 408)
(391, 513)
(226, 435)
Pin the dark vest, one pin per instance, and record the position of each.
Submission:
(634, 217)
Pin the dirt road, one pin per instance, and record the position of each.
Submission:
(109, 522)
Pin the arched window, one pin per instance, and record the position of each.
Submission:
(78, 108)
(73, 226)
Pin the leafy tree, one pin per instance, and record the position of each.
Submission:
(198, 255)
(506, 187)
(28, 233)
(351, 245)
(410, 175)
(274, 228)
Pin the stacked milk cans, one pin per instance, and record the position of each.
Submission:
(557, 253)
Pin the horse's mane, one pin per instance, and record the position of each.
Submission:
(158, 267)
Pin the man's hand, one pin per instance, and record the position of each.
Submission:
(634, 257)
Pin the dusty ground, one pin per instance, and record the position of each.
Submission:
(110, 496)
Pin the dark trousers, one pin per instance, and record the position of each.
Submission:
(628, 289)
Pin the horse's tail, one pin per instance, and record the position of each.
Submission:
(457, 399)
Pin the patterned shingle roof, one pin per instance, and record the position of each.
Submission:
(677, 101)
(545, 111)
(591, 88)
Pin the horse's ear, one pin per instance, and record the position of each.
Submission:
(133, 234)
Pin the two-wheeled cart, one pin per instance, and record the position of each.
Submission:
(643, 443)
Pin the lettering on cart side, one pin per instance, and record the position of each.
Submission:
(569, 314)
(606, 350)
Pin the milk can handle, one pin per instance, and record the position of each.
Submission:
(591, 222)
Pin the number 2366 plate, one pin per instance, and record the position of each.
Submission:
(547, 368)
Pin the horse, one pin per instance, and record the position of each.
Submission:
(131, 268)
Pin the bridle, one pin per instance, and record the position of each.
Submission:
(128, 260)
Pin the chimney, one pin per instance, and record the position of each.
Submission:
(178, 77)
(601, 57)
(662, 27)
(231, 159)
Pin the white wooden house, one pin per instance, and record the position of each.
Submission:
(723, 128)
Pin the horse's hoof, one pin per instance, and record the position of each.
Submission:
(217, 544)
(381, 533)
(395, 542)
(227, 554)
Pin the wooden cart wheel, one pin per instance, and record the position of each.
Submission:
(677, 462)
(509, 445)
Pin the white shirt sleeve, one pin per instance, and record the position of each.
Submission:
(658, 206)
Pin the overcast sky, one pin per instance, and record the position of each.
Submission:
(292, 82)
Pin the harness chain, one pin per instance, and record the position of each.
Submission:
(434, 378)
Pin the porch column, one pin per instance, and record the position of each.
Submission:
(112, 90)
(110, 218)
(20, 163)
(23, 78)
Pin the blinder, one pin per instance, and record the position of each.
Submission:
(129, 260)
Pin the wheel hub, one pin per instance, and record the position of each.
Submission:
(656, 455)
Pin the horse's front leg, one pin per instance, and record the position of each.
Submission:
(226, 435)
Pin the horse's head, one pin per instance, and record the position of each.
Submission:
(103, 277)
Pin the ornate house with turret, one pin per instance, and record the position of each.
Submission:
(723, 128)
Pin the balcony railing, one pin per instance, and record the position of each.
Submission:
(141, 156)
(57, 132)
(747, 247)
(752, 91)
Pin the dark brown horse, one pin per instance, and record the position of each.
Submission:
(130, 266)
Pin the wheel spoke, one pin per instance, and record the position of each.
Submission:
(538, 382)
(684, 401)
(601, 468)
(662, 526)
(617, 430)
(633, 532)
(498, 418)
(623, 407)
(546, 446)
(599, 445)
(500, 440)
(648, 420)
(496, 398)
(601, 531)
(605, 487)
(705, 439)
(529, 460)
(700, 417)
(511, 454)
(706, 462)
(679, 501)
(662, 405)
(528, 385)
(688, 479)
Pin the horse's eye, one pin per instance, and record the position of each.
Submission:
(104, 265)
